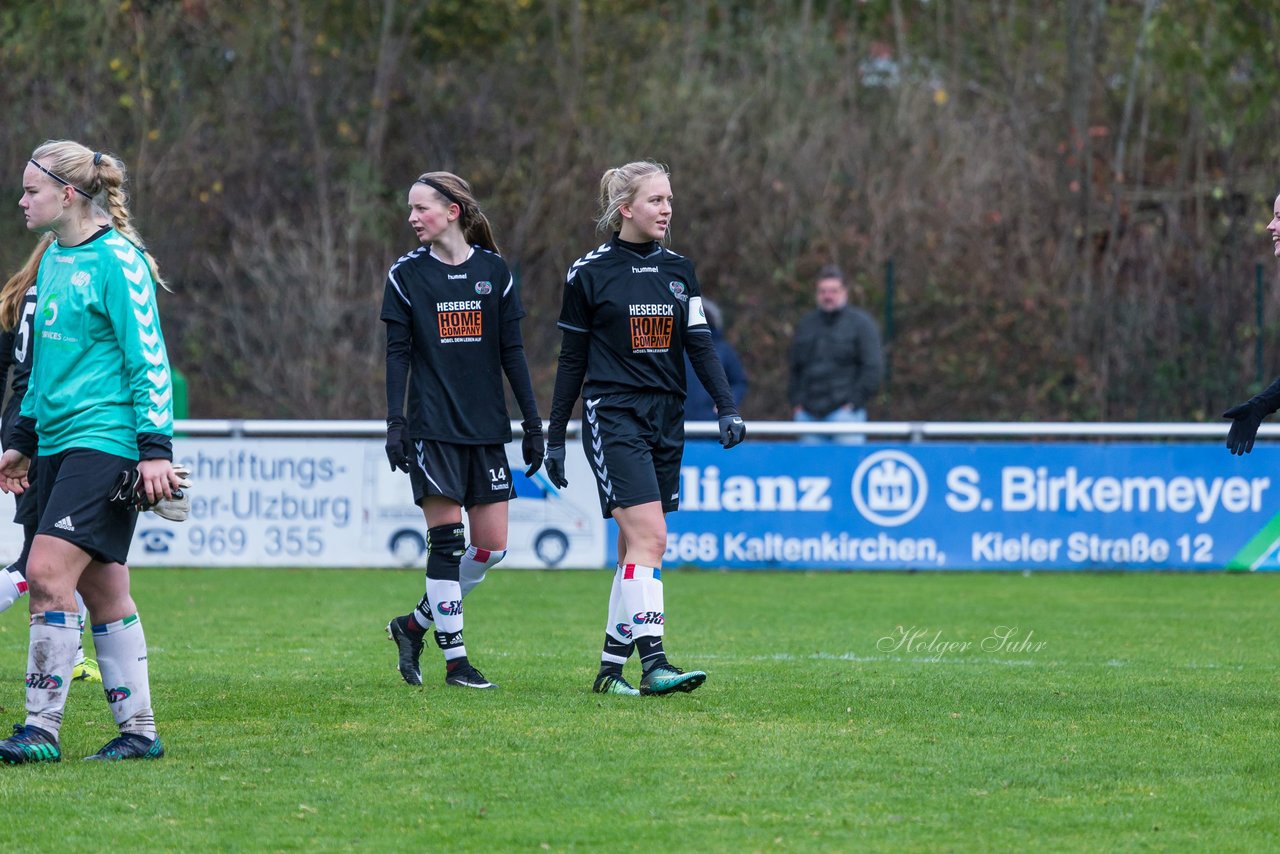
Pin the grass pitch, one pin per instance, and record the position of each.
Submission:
(844, 712)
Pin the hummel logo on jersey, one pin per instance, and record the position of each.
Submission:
(644, 269)
(453, 276)
(64, 524)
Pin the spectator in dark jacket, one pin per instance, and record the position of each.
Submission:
(698, 405)
(836, 361)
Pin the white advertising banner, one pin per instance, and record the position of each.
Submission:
(336, 502)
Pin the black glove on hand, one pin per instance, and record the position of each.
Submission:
(732, 431)
(1245, 420)
(397, 444)
(534, 449)
(555, 466)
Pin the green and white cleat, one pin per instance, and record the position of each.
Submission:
(30, 744)
(128, 745)
(667, 679)
(607, 683)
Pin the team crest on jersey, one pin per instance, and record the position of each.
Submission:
(484, 288)
(80, 279)
(677, 290)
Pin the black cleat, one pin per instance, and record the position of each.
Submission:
(466, 676)
(410, 649)
(130, 745)
(30, 744)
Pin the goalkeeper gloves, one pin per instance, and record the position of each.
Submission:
(129, 492)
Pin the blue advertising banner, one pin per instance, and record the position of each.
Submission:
(975, 506)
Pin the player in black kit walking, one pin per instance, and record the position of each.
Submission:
(631, 309)
(453, 329)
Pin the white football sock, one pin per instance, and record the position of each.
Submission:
(641, 599)
(475, 563)
(12, 588)
(446, 604)
(617, 627)
(122, 660)
(50, 658)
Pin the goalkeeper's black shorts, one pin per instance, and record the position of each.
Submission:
(73, 490)
(465, 474)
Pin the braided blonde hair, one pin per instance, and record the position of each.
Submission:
(95, 174)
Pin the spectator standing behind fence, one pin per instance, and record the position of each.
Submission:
(836, 360)
(698, 404)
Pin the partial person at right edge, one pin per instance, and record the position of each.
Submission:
(1247, 417)
(836, 360)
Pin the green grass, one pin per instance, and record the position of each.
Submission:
(1148, 720)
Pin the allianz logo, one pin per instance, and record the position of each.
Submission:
(703, 489)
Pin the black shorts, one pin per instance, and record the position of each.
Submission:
(634, 443)
(25, 511)
(466, 474)
(73, 492)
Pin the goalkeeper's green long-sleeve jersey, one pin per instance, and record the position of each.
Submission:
(100, 376)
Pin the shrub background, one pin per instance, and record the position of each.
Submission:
(1073, 194)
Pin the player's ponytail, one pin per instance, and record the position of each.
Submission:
(14, 290)
(618, 187)
(94, 175)
(475, 225)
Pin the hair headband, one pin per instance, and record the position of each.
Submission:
(63, 181)
(439, 188)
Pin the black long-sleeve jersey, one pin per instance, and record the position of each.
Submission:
(16, 354)
(453, 331)
(637, 311)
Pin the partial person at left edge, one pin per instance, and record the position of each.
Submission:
(17, 313)
(99, 406)
(1247, 417)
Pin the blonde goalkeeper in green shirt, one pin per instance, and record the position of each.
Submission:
(99, 411)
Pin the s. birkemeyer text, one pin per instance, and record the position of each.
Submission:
(1025, 489)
